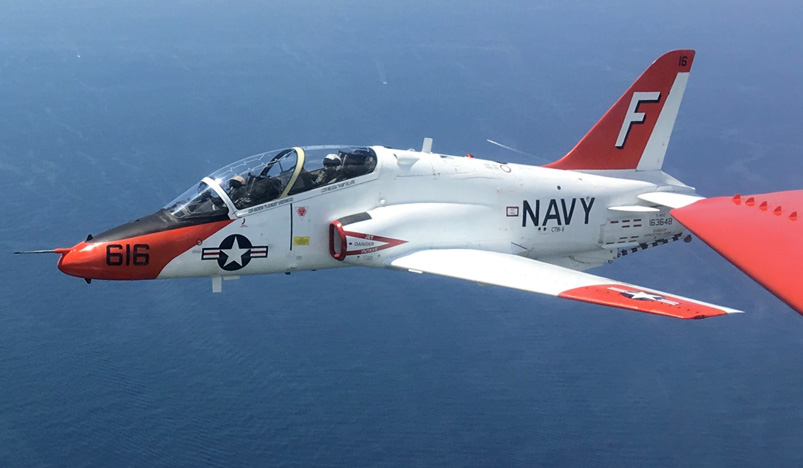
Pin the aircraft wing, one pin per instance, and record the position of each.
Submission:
(512, 271)
(760, 234)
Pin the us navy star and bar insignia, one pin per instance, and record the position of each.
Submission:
(234, 252)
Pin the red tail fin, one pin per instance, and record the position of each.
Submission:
(634, 133)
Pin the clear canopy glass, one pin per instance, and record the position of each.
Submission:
(268, 176)
(200, 201)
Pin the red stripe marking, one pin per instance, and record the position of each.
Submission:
(602, 294)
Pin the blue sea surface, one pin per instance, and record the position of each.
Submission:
(108, 110)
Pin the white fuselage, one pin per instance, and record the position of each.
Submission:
(425, 200)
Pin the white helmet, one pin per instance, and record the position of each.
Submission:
(332, 160)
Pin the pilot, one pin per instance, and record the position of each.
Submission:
(332, 170)
(357, 163)
(236, 189)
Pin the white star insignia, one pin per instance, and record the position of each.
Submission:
(642, 296)
(234, 254)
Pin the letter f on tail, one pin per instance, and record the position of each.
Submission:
(634, 133)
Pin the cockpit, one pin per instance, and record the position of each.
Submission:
(243, 186)
(269, 176)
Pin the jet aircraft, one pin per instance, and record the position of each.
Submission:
(518, 226)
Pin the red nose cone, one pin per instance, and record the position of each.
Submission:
(116, 260)
(133, 258)
(85, 260)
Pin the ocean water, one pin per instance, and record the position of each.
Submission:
(108, 111)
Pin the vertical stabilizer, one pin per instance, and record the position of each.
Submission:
(634, 133)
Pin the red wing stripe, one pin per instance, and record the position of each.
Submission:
(641, 300)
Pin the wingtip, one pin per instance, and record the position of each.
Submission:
(722, 312)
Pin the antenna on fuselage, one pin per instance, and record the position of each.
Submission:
(509, 148)
(426, 147)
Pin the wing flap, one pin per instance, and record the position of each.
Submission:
(521, 273)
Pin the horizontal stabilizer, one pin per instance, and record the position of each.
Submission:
(634, 209)
(522, 273)
(760, 234)
(669, 199)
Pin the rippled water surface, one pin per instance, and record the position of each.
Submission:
(107, 112)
